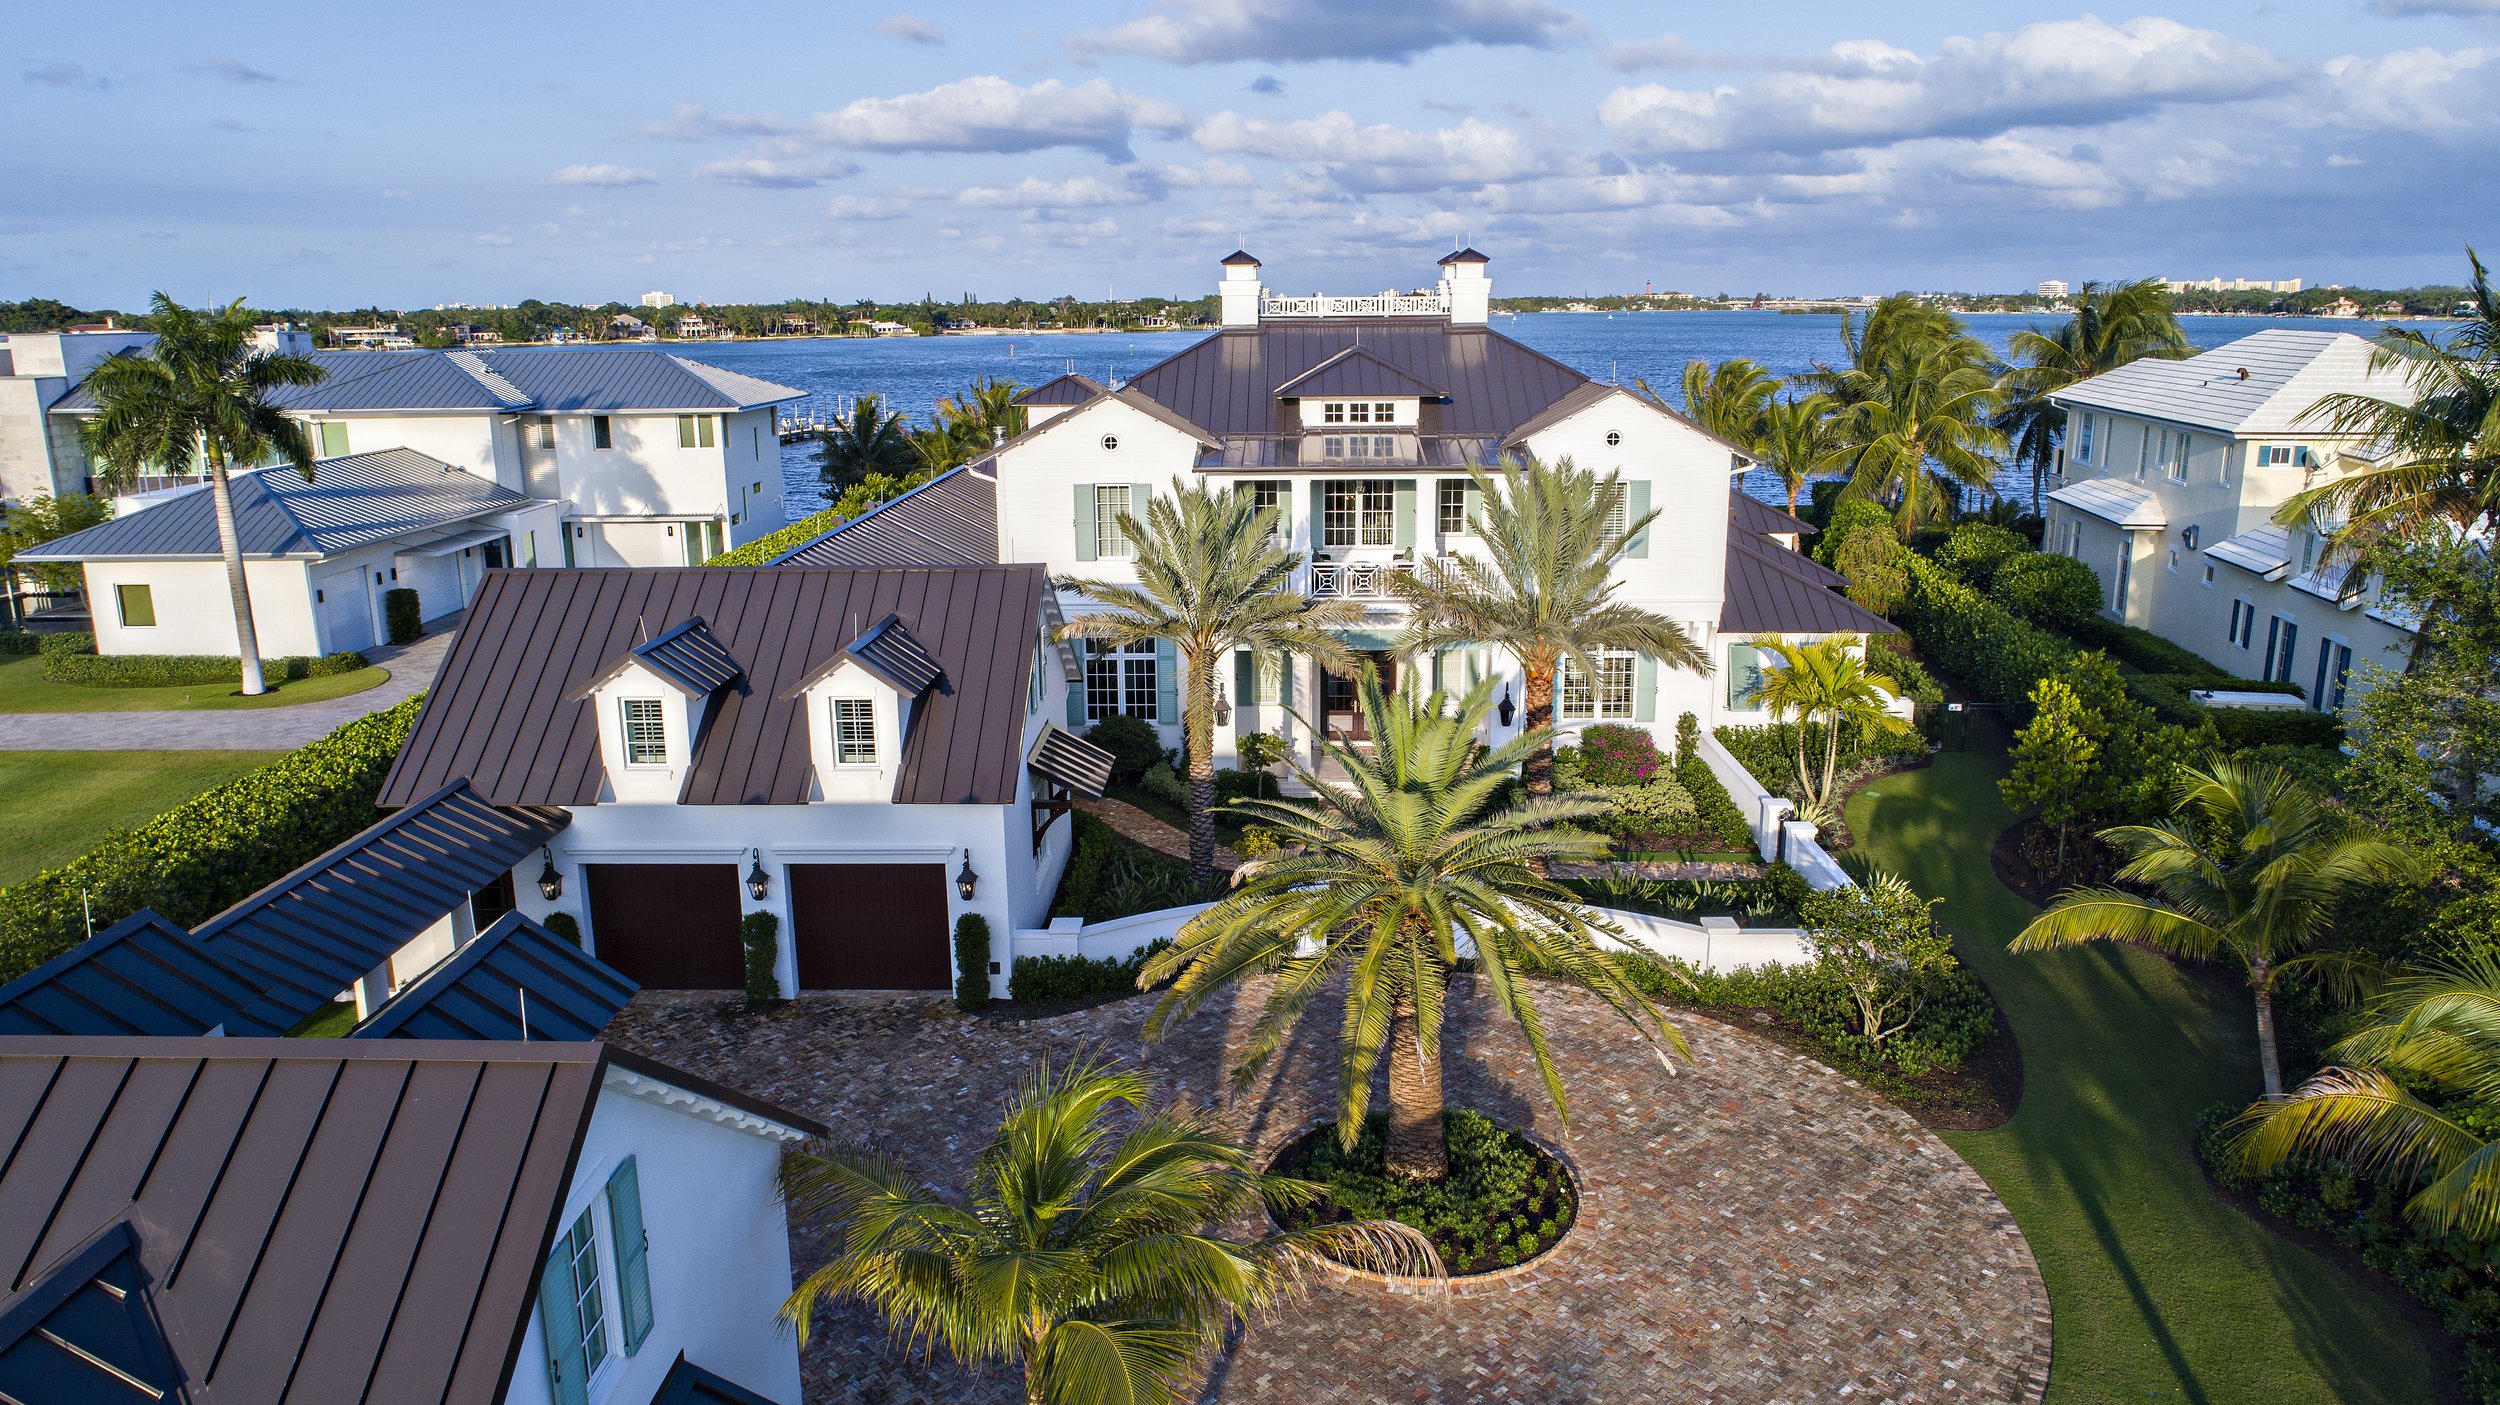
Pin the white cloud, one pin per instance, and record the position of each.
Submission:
(492, 241)
(978, 114)
(1074, 193)
(2431, 92)
(1665, 51)
(1384, 157)
(867, 207)
(1220, 31)
(782, 164)
(603, 174)
(2407, 8)
(911, 29)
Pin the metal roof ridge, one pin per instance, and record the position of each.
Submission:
(905, 496)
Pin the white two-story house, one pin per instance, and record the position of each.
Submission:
(2171, 474)
(1357, 419)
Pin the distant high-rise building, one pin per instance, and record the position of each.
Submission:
(2232, 285)
(2053, 287)
(658, 299)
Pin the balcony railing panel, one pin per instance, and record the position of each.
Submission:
(1356, 580)
(1370, 305)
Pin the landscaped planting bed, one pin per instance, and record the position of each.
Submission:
(1506, 1200)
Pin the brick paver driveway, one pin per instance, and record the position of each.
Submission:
(1756, 1228)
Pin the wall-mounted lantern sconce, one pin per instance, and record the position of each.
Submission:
(550, 882)
(965, 878)
(1223, 708)
(1508, 710)
(759, 884)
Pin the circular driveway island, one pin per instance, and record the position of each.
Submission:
(1754, 1227)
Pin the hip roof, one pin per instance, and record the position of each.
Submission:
(549, 380)
(2261, 384)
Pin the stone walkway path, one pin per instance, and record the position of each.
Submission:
(412, 667)
(1755, 1228)
(1137, 825)
(1660, 868)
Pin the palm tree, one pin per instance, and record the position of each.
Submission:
(2437, 1030)
(1825, 681)
(2439, 464)
(1543, 589)
(870, 441)
(1388, 872)
(2112, 324)
(1800, 442)
(1210, 579)
(202, 389)
(2250, 865)
(1728, 399)
(1919, 427)
(1080, 1249)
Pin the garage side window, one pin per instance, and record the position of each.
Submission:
(854, 732)
(646, 733)
(137, 604)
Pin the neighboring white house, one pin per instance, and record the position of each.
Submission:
(2171, 473)
(867, 755)
(1357, 418)
(347, 1219)
(320, 557)
(36, 370)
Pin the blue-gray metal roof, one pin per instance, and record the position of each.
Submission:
(85, 1331)
(689, 1384)
(142, 975)
(512, 972)
(581, 380)
(316, 931)
(889, 651)
(951, 520)
(353, 501)
(691, 657)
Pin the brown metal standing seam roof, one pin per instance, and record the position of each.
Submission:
(1772, 590)
(1225, 384)
(504, 714)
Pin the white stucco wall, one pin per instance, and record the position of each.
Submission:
(195, 614)
(719, 1254)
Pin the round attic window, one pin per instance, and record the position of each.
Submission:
(1614, 437)
(1110, 441)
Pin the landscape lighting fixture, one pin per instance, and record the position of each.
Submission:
(550, 882)
(965, 878)
(759, 883)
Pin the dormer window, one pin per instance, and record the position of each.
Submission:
(1358, 412)
(854, 732)
(646, 732)
(1337, 448)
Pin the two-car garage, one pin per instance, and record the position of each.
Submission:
(850, 926)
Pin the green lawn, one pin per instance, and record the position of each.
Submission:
(23, 688)
(2161, 1291)
(54, 805)
(331, 1021)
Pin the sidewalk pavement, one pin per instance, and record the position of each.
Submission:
(412, 667)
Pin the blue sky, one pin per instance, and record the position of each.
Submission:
(410, 155)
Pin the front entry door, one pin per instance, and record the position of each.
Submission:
(1338, 698)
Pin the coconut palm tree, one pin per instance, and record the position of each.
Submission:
(202, 389)
(1388, 872)
(1210, 579)
(2112, 324)
(2438, 1031)
(1918, 427)
(970, 425)
(1080, 1248)
(2439, 465)
(1800, 442)
(2250, 865)
(870, 441)
(1542, 589)
(1728, 399)
(1825, 681)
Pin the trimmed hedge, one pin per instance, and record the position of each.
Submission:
(85, 670)
(1957, 1018)
(403, 613)
(762, 550)
(760, 934)
(1910, 678)
(2167, 695)
(1769, 754)
(1079, 977)
(1995, 653)
(18, 641)
(1716, 813)
(213, 850)
(972, 961)
(563, 924)
(2144, 649)
(2057, 591)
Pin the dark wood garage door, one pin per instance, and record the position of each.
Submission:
(871, 926)
(669, 926)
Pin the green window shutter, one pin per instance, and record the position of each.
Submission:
(1406, 513)
(1245, 676)
(1284, 680)
(1084, 521)
(1141, 496)
(1284, 512)
(1441, 670)
(1475, 509)
(568, 1372)
(1167, 682)
(333, 439)
(633, 1253)
(1644, 689)
(1636, 504)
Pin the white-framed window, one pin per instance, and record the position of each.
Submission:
(2308, 551)
(2083, 437)
(2334, 672)
(1268, 495)
(2282, 637)
(854, 732)
(1450, 507)
(2283, 456)
(695, 432)
(1110, 503)
(646, 732)
(589, 1322)
(137, 604)
(1608, 698)
(2174, 451)
(1332, 412)
(594, 1291)
(1359, 512)
(2174, 561)
(1037, 686)
(1618, 509)
(1121, 681)
(2126, 568)
(1384, 412)
(2209, 575)
(601, 435)
(2243, 623)
(1339, 447)
(2143, 451)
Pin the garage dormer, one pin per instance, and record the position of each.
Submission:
(652, 704)
(1358, 389)
(859, 707)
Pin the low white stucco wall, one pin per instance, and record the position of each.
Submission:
(1764, 811)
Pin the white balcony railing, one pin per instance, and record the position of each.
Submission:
(1356, 580)
(1433, 304)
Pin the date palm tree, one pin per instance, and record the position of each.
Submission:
(1800, 442)
(1543, 589)
(203, 389)
(971, 424)
(2250, 865)
(2439, 464)
(2112, 324)
(1825, 682)
(1081, 1248)
(1389, 875)
(869, 441)
(1210, 579)
(2438, 1031)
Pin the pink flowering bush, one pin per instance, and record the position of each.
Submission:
(1612, 754)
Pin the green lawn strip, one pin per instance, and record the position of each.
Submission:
(2160, 1291)
(331, 1021)
(55, 805)
(23, 688)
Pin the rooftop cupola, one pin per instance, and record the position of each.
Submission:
(1240, 289)
(1464, 284)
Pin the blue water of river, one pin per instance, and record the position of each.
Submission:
(911, 374)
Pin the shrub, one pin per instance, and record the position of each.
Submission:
(1848, 519)
(214, 849)
(76, 641)
(1232, 785)
(765, 549)
(1955, 1020)
(402, 613)
(1715, 812)
(1880, 942)
(972, 962)
(1662, 806)
(1504, 1200)
(1877, 567)
(18, 641)
(1109, 876)
(563, 924)
(2236, 727)
(1257, 842)
(183, 670)
(1259, 750)
(1769, 754)
(2053, 590)
(1769, 900)
(1160, 783)
(1133, 745)
(1995, 653)
(1613, 754)
(1910, 678)
(2142, 648)
(760, 933)
(1079, 977)
(1086, 857)
(1687, 737)
(1974, 551)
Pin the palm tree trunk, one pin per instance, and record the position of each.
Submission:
(1538, 769)
(1416, 1149)
(2269, 1058)
(1831, 754)
(246, 640)
(1198, 723)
